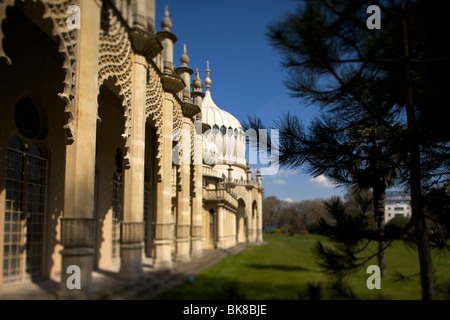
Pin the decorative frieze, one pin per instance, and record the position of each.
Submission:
(196, 231)
(77, 232)
(164, 231)
(182, 231)
(132, 232)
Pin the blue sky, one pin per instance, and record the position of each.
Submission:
(246, 73)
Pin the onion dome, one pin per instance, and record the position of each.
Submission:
(226, 131)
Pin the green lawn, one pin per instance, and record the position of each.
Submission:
(286, 269)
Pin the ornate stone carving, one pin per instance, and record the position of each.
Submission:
(189, 109)
(153, 108)
(193, 159)
(172, 83)
(56, 11)
(178, 136)
(145, 43)
(177, 119)
(77, 232)
(242, 193)
(115, 61)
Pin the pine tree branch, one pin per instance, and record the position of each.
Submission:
(444, 241)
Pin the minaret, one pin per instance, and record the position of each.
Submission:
(185, 73)
(249, 174)
(258, 177)
(230, 173)
(167, 39)
(197, 93)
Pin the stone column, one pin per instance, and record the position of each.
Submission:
(183, 226)
(132, 236)
(234, 228)
(259, 226)
(259, 234)
(172, 84)
(248, 215)
(164, 224)
(77, 223)
(220, 227)
(197, 203)
(197, 176)
(145, 47)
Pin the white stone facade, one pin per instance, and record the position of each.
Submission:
(397, 204)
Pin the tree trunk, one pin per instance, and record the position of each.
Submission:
(417, 214)
(420, 228)
(378, 209)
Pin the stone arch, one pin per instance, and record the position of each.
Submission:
(56, 12)
(154, 109)
(115, 63)
(109, 158)
(254, 219)
(33, 68)
(254, 209)
(177, 135)
(241, 222)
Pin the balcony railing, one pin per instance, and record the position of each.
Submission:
(220, 195)
(207, 170)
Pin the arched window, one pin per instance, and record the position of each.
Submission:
(223, 130)
(215, 129)
(29, 120)
(26, 184)
(117, 205)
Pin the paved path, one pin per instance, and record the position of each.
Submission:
(109, 287)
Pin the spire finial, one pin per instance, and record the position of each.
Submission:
(208, 79)
(166, 23)
(184, 57)
(197, 82)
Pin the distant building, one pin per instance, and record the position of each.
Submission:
(397, 204)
